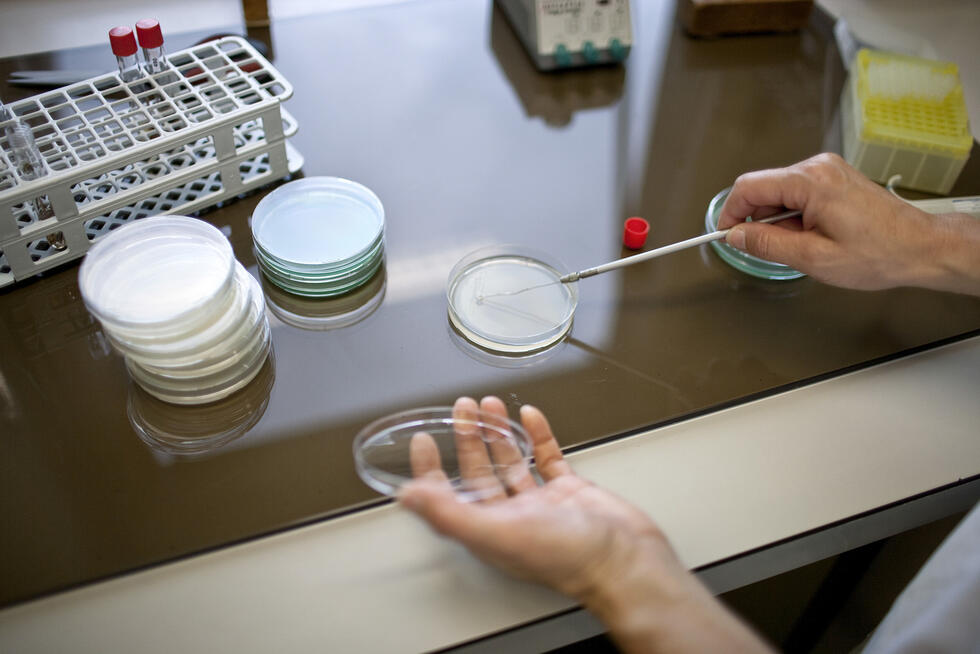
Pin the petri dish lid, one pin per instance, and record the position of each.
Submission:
(326, 269)
(744, 261)
(211, 388)
(158, 271)
(204, 337)
(391, 451)
(509, 298)
(325, 289)
(318, 221)
(223, 353)
(336, 276)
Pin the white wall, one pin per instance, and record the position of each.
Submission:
(35, 26)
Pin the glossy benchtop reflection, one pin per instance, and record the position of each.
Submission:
(435, 107)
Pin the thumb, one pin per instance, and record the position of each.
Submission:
(772, 243)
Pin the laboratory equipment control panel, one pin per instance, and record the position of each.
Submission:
(571, 33)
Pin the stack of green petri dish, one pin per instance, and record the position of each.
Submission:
(319, 236)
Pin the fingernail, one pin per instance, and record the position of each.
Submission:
(736, 237)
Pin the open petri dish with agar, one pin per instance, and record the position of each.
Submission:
(509, 298)
(482, 455)
(743, 261)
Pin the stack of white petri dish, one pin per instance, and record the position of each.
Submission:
(319, 236)
(188, 318)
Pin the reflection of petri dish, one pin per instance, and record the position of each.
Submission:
(195, 430)
(506, 360)
(497, 451)
(326, 313)
(741, 260)
(509, 299)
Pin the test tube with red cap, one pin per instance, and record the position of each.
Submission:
(151, 41)
(123, 44)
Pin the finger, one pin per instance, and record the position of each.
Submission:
(475, 468)
(763, 193)
(547, 455)
(507, 457)
(436, 503)
(792, 224)
(423, 454)
(797, 249)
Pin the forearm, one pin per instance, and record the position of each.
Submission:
(955, 265)
(660, 607)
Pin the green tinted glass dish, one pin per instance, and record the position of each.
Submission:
(739, 260)
(328, 289)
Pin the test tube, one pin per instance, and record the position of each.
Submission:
(124, 47)
(151, 40)
(27, 160)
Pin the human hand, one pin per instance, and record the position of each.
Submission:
(567, 534)
(852, 233)
(572, 536)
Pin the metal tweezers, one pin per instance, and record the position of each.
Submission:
(51, 77)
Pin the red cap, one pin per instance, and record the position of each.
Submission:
(149, 33)
(122, 41)
(635, 232)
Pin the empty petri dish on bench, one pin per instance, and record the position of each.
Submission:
(479, 454)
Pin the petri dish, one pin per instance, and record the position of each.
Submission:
(505, 360)
(739, 260)
(209, 337)
(212, 374)
(317, 221)
(157, 276)
(508, 298)
(481, 454)
(328, 287)
(220, 356)
(202, 390)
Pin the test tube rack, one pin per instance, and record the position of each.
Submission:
(209, 128)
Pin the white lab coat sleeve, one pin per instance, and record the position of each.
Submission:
(939, 611)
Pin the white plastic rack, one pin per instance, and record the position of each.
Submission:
(208, 128)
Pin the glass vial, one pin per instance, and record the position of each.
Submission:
(151, 41)
(29, 163)
(123, 44)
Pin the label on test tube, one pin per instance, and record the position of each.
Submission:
(151, 41)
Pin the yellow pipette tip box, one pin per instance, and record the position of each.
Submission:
(905, 116)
